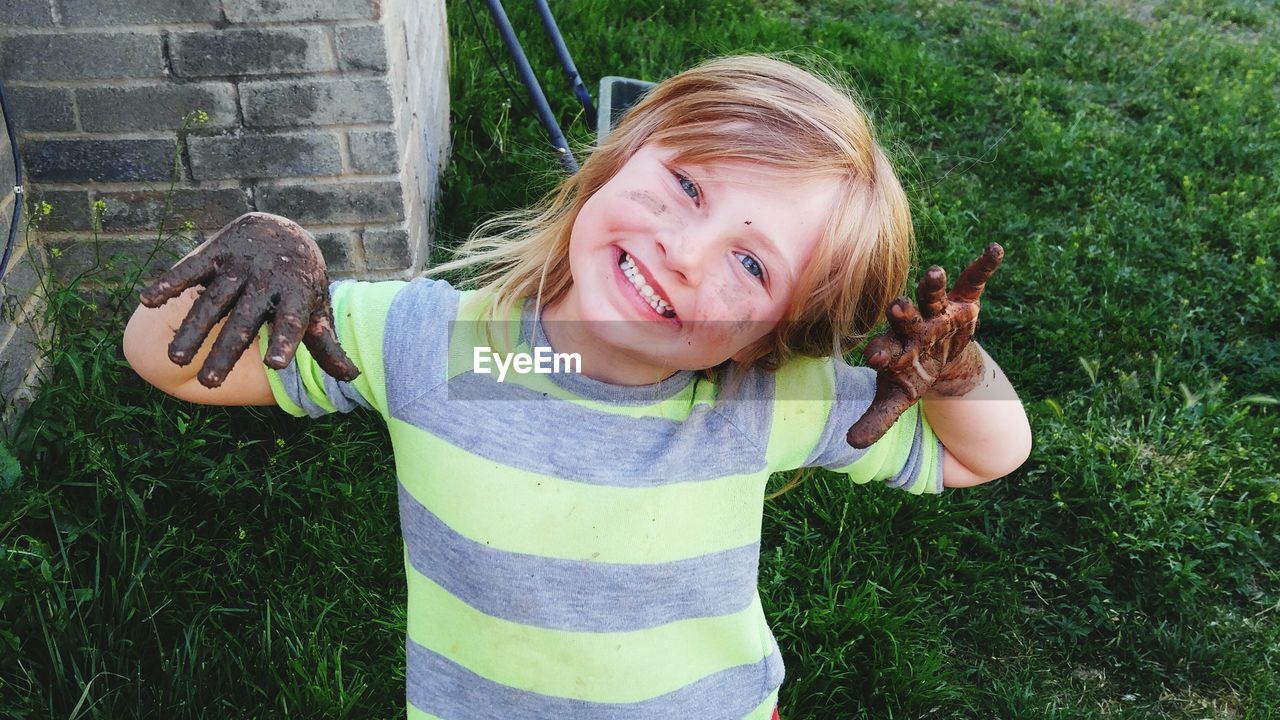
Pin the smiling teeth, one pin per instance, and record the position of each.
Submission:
(655, 300)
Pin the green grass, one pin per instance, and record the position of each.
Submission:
(159, 559)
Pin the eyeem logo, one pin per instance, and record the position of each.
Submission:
(542, 361)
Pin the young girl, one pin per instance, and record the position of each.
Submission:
(583, 543)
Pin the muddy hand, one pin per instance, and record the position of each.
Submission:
(259, 268)
(926, 348)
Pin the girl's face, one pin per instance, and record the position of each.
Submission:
(717, 247)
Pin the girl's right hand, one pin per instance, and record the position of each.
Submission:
(259, 268)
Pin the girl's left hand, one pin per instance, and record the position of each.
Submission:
(926, 349)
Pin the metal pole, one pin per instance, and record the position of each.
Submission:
(570, 70)
(531, 84)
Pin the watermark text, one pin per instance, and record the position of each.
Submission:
(541, 361)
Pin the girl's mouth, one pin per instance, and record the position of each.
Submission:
(643, 289)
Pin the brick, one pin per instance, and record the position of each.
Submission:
(257, 51)
(259, 11)
(316, 102)
(141, 210)
(336, 248)
(98, 160)
(15, 406)
(24, 312)
(155, 107)
(264, 155)
(81, 56)
(97, 13)
(361, 47)
(19, 306)
(21, 281)
(338, 203)
(29, 13)
(387, 248)
(374, 151)
(40, 108)
(6, 219)
(69, 209)
(8, 176)
(17, 357)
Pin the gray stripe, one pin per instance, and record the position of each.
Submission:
(855, 388)
(344, 396)
(574, 594)
(442, 687)
(589, 445)
(937, 480)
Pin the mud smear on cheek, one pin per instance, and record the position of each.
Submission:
(737, 306)
(655, 206)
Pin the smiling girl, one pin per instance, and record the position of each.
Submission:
(586, 544)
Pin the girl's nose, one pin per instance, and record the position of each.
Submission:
(682, 255)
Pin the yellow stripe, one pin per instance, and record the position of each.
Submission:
(416, 714)
(273, 378)
(552, 517)
(799, 413)
(887, 455)
(363, 334)
(598, 667)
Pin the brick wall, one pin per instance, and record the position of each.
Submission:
(20, 308)
(331, 112)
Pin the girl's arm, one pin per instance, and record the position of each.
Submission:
(984, 432)
(928, 354)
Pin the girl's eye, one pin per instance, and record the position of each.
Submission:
(753, 266)
(690, 187)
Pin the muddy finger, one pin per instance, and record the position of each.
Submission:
(212, 305)
(240, 331)
(881, 351)
(931, 292)
(889, 404)
(194, 270)
(322, 341)
(904, 319)
(974, 278)
(287, 328)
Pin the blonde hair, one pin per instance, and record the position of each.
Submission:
(752, 107)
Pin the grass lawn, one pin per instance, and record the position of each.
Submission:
(166, 560)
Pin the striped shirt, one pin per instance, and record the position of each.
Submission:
(574, 548)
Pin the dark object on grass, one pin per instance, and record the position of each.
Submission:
(259, 268)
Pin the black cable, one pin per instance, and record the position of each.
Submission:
(17, 183)
(519, 96)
